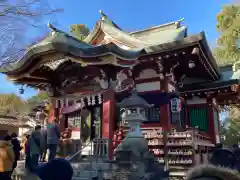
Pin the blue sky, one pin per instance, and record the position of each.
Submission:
(130, 15)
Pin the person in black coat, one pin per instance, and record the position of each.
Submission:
(210, 172)
(16, 148)
(59, 169)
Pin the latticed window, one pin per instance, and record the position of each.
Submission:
(153, 113)
(198, 117)
(74, 119)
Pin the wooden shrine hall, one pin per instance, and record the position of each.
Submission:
(173, 71)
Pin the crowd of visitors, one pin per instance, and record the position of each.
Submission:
(34, 147)
(41, 140)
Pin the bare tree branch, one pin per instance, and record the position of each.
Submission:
(20, 21)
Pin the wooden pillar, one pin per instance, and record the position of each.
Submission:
(187, 111)
(165, 114)
(211, 124)
(108, 119)
(54, 111)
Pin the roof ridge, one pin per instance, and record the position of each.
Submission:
(160, 26)
(128, 35)
(106, 19)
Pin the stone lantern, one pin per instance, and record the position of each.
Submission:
(131, 152)
(134, 113)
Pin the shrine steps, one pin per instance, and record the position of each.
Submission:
(89, 170)
(83, 170)
(85, 174)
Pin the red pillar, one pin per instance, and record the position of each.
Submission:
(211, 123)
(187, 111)
(108, 119)
(53, 112)
(165, 114)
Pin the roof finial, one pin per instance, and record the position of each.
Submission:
(103, 15)
(181, 20)
(51, 27)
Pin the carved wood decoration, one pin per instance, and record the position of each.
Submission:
(73, 77)
(170, 75)
(87, 79)
(124, 80)
(149, 70)
(160, 69)
(70, 76)
(147, 74)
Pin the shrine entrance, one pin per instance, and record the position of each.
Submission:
(85, 123)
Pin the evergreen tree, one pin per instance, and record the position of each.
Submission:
(228, 25)
(11, 104)
(79, 31)
(230, 132)
(228, 52)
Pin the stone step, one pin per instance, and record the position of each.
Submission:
(79, 165)
(82, 170)
(80, 178)
(91, 165)
(85, 173)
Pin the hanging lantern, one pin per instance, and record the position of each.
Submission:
(195, 51)
(21, 90)
(176, 105)
(191, 64)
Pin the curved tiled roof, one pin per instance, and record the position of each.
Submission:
(68, 44)
(151, 41)
(12, 121)
(61, 42)
(139, 39)
(82, 49)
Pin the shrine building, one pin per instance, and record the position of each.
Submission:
(170, 69)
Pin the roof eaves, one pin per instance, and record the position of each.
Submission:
(174, 24)
(93, 34)
(209, 55)
(186, 42)
(208, 85)
(175, 45)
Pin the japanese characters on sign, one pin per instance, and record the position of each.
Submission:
(176, 105)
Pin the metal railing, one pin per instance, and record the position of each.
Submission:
(97, 148)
